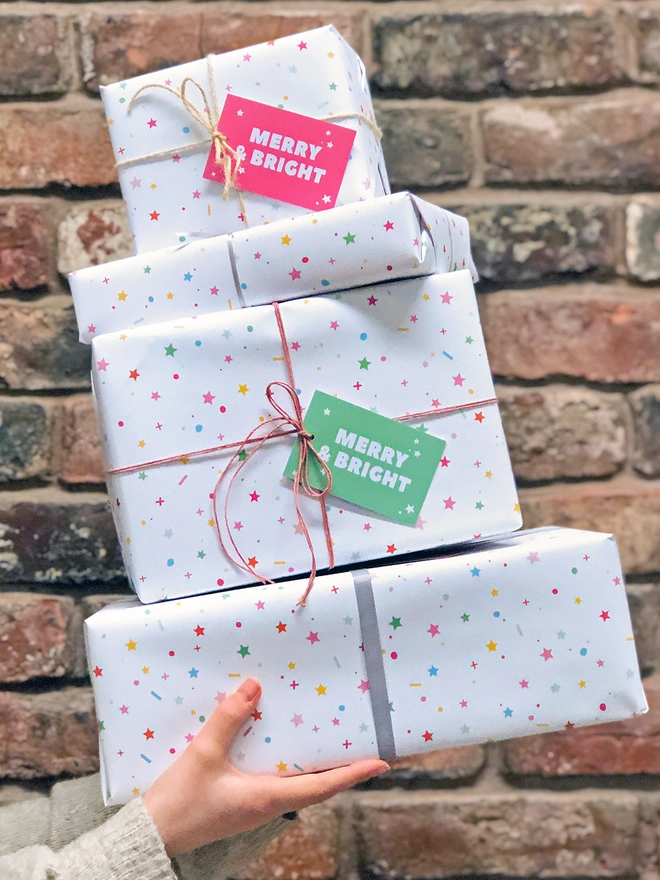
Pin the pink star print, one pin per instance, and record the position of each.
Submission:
(254, 496)
(313, 637)
(434, 629)
(219, 697)
(533, 557)
(91, 328)
(444, 461)
(458, 380)
(295, 346)
(302, 45)
(152, 123)
(449, 503)
(389, 225)
(208, 397)
(155, 395)
(363, 686)
(600, 663)
(295, 274)
(197, 194)
(297, 720)
(372, 300)
(464, 704)
(257, 256)
(136, 183)
(238, 525)
(546, 653)
(190, 737)
(102, 365)
(260, 605)
(446, 298)
(123, 710)
(524, 683)
(334, 325)
(605, 615)
(214, 290)
(335, 721)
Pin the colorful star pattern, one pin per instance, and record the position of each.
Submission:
(487, 680)
(196, 412)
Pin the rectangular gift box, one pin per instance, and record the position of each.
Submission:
(526, 634)
(166, 393)
(161, 147)
(397, 236)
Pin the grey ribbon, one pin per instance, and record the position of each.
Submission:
(234, 272)
(373, 657)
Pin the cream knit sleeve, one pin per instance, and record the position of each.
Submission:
(72, 836)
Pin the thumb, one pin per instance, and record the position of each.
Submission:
(219, 731)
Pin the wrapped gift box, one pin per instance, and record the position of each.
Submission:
(315, 74)
(398, 236)
(530, 633)
(173, 389)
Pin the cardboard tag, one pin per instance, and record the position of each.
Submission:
(285, 156)
(376, 463)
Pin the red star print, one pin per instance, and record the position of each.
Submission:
(605, 615)
(148, 734)
(199, 630)
(569, 725)
(257, 715)
(133, 374)
(254, 496)
(372, 300)
(281, 627)
(444, 461)
(253, 561)
(427, 736)
(389, 225)
(479, 417)
(98, 672)
(154, 215)
(391, 548)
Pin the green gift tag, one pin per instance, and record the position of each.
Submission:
(376, 463)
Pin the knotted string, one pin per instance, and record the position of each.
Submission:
(225, 156)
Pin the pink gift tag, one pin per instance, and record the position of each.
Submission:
(285, 156)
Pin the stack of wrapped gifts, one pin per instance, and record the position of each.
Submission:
(291, 378)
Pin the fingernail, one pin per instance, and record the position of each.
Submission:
(383, 767)
(250, 688)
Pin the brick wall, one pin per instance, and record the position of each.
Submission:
(541, 122)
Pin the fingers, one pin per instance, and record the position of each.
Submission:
(225, 722)
(296, 792)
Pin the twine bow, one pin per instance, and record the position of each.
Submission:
(301, 481)
(225, 155)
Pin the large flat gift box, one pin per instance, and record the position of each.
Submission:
(397, 236)
(526, 634)
(178, 400)
(162, 146)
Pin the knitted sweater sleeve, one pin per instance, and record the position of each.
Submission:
(71, 836)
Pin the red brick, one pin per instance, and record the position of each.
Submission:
(624, 747)
(460, 762)
(56, 537)
(23, 246)
(486, 51)
(123, 44)
(644, 604)
(426, 143)
(625, 506)
(611, 140)
(429, 835)
(93, 234)
(36, 636)
(595, 332)
(308, 850)
(27, 432)
(223, 31)
(559, 431)
(39, 344)
(48, 734)
(81, 445)
(36, 54)
(65, 142)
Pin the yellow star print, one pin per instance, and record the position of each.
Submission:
(320, 690)
(292, 665)
(286, 239)
(243, 389)
(122, 295)
(578, 600)
(494, 592)
(281, 766)
(131, 645)
(491, 645)
(583, 683)
(210, 522)
(145, 670)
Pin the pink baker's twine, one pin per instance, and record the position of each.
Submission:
(301, 480)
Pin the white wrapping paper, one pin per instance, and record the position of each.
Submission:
(398, 236)
(168, 199)
(174, 388)
(527, 634)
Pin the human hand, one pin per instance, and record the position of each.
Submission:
(201, 797)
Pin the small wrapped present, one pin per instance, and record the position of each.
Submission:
(526, 634)
(203, 501)
(297, 113)
(398, 236)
